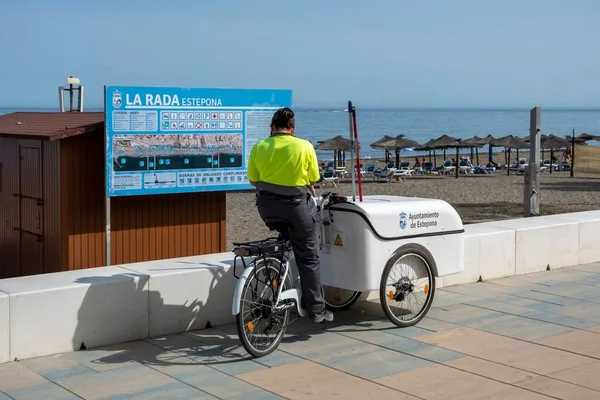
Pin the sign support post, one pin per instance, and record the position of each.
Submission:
(106, 196)
(107, 231)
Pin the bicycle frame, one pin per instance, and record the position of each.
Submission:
(293, 293)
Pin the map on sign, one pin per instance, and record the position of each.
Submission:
(176, 140)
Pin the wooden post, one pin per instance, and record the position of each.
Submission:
(531, 192)
(457, 164)
(573, 154)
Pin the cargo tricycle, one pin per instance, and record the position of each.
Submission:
(391, 244)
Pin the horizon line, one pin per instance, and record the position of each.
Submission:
(387, 107)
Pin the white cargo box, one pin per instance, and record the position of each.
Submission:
(362, 236)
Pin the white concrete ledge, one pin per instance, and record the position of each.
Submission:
(61, 312)
(543, 242)
(589, 239)
(188, 293)
(489, 254)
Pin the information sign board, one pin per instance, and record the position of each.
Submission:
(176, 140)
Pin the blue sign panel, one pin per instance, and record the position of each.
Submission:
(176, 140)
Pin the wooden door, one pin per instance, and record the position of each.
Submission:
(30, 211)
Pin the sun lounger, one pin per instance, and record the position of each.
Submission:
(429, 169)
(405, 166)
(465, 167)
(447, 168)
(329, 177)
(370, 169)
(385, 174)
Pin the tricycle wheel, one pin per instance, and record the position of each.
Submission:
(407, 280)
(337, 299)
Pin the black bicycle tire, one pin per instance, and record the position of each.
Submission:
(240, 323)
(402, 252)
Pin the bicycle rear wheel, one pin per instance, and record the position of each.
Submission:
(259, 327)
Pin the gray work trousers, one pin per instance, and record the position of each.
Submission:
(300, 213)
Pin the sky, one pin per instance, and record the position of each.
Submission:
(377, 53)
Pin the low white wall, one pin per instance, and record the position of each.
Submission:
(188, 293)
(67, 311)
(489, 253)
(61, 312)
(589, 241)
(525, 245)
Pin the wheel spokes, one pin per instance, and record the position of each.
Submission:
(407, 287)
(262, 325)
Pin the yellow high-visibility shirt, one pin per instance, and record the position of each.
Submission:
(283, 160)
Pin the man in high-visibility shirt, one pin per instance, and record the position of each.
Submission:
(284, 169)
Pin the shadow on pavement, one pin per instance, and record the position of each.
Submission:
(221, 345)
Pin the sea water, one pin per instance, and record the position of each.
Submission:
(423, 125)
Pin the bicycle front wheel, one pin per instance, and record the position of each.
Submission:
(259, 327)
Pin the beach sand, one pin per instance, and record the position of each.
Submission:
(477, 198)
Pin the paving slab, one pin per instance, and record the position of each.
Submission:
(558, 389)
(535, 336)
(584, 375)
(443, 382)
(309, 380)
(42, 391)
(490, 369)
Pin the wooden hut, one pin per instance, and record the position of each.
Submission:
(52, 202)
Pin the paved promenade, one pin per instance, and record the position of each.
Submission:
(528, 337)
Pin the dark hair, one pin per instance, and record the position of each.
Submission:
(283, 119)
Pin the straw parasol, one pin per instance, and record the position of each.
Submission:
(489, 139)
(444, 142)
(335, 143)
(449, 142)
(394, 143)
(441, 143)
(550, 142)
(398, 143)
(378, 145)
(553, 142)
(476, 143)
(426, 147)
(338, 143)
(510, 142)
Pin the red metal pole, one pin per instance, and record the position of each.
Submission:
(353, 110)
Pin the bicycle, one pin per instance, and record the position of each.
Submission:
(274, 288)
